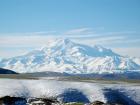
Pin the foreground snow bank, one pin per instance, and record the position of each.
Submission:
(53, 88)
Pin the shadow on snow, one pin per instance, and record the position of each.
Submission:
(115, 96)
(73, 95)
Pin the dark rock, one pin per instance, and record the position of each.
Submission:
(112, 104)
(97, 103)
(41, 101)
(7, 100)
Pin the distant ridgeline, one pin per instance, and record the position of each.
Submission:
(6, 71)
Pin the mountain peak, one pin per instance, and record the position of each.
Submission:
(99, 48)
(66, 46)
(64, 55)
(65, 41)
(57, 42)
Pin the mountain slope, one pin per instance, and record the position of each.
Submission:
(136, 60)
(6, 71)
(63, 55)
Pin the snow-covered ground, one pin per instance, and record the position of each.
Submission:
(53, 88)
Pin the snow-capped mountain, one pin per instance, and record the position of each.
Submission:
(64, 55)
(136, 60)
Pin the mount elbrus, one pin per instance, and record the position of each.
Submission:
(66, 56)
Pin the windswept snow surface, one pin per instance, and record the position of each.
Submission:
(53, 88)
(64, 55)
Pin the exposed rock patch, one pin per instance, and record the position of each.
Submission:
(7, 100)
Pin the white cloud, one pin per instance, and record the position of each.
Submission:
(29, 33)
(101, 40)
(132, 51)
(23, 41)
(79, 31)
(7, 53)
(37, 41)
(19, 42)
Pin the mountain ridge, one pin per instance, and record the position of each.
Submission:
(7, 71)
(64, 55)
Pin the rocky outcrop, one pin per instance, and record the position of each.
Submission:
(42, 101)
(97, 103)
(7, 100)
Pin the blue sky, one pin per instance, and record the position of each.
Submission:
(112, 23)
